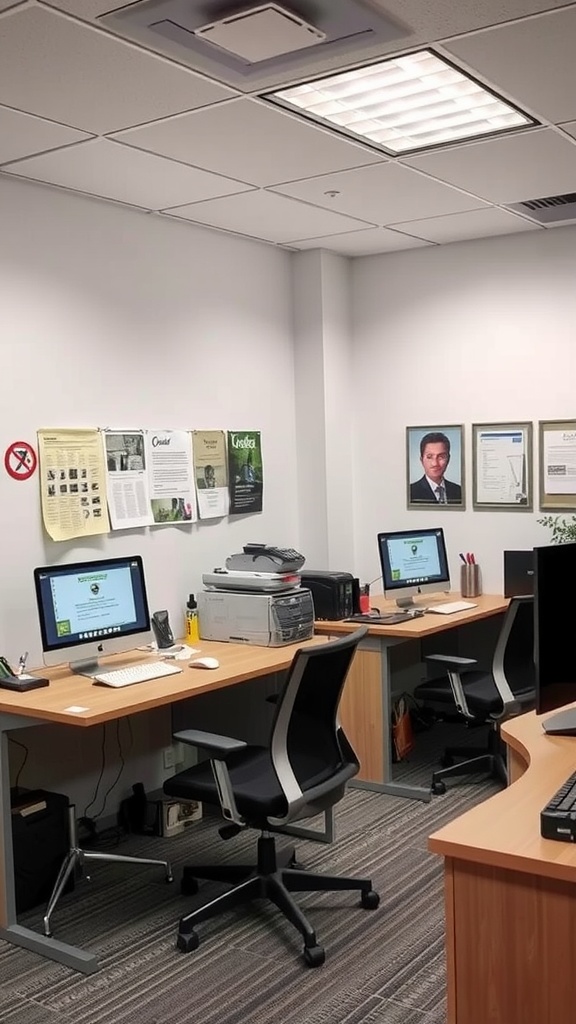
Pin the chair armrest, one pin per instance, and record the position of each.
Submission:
(217, 746)
(452, 661)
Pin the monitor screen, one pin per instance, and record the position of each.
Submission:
(554, 655)
(88, 609)
(413, 562)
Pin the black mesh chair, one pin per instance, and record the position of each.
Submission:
(302, 772)
(486, 697)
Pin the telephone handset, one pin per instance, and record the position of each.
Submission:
(266, 558)
(162, 630)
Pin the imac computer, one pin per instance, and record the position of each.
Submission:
(413, 562)
(90, 609)
(554, 647)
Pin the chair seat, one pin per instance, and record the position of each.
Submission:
(256, 787)
(481, 692)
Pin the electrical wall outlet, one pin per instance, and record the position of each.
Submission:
(168, 757)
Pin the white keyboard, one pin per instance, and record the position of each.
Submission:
(136, 673)
(451, 607)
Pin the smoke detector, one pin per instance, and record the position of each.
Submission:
(261, 33)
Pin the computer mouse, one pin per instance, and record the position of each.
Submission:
(205, 663)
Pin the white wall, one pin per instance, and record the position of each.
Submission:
(474, 332)
(112, 317)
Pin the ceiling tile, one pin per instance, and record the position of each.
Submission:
(542, 74)
(86, 10)
(269, 217)
(101, 84)
(383, 194)
(473, 224)
(362, 243)
(250, 141)
(111, 171)
(529, 165)
(21, 135)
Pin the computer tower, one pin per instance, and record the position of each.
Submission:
(40, 842)
(332, 593)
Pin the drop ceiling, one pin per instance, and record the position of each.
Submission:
(93, 103)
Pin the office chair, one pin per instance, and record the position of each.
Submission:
(302, 772)
(486, 697)
(73, 864)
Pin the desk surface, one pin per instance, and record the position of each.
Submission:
(426, 625)
(238, 662)
(504, 831)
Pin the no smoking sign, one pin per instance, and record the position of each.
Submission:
(20, 460)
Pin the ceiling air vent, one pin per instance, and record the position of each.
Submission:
(549, 210)
(261, 33)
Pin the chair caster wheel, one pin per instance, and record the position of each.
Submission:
(314, 956)
(438, 787)
(188, 886)
(186, 943)
(370, 900)
(169, 878)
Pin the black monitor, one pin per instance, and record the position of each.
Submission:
(413, 562)
(89, 609)
(554, 646)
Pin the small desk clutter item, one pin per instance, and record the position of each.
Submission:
(10, 680)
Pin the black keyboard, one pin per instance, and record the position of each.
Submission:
(389, 619)
(558, 818)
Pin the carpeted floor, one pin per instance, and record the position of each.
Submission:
(382, 967)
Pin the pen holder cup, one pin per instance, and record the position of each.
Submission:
(470, 581)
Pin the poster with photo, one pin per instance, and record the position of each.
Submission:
(127, 479)
(245, 471)
(211, 473)
(170, 478)
(72, 483)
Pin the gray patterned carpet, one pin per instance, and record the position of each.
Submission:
(382, 967)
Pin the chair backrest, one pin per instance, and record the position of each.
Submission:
(312, 758)
(513, 663)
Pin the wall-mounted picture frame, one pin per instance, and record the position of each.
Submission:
(502, 466)
(557, 465)
(435, 467)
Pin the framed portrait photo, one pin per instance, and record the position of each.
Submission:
(502, 466)
(435, 466)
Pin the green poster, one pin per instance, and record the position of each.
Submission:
(245, 471)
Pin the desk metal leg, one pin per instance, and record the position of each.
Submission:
(388, 785)
(10, 930)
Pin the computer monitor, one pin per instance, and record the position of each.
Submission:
(413, 562)
(89, 609)
(554, 649)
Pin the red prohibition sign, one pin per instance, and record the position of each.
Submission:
(20, 460)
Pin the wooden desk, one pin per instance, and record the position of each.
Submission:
(511, 895)
(365, 709)
(76, 701)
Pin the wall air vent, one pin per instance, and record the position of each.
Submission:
(261, 33)
(548, 210)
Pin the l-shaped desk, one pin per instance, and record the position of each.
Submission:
(73, 700)
(510, 895)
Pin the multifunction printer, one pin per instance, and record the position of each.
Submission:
(257, 599)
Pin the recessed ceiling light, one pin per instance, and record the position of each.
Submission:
(404, 103)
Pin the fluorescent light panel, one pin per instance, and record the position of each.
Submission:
(404, 103)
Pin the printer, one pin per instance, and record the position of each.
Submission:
(257, 599)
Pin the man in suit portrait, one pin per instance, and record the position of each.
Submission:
(433, 487)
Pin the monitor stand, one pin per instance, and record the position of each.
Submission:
(561, 724)
(405, 602)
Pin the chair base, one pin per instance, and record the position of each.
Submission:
(485, 760)
(73, 865)
(274, 878)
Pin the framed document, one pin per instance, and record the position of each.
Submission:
(557, 450)
(502, 466)
(435, 467)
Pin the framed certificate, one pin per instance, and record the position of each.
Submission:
(557, 451)
(502, 466)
